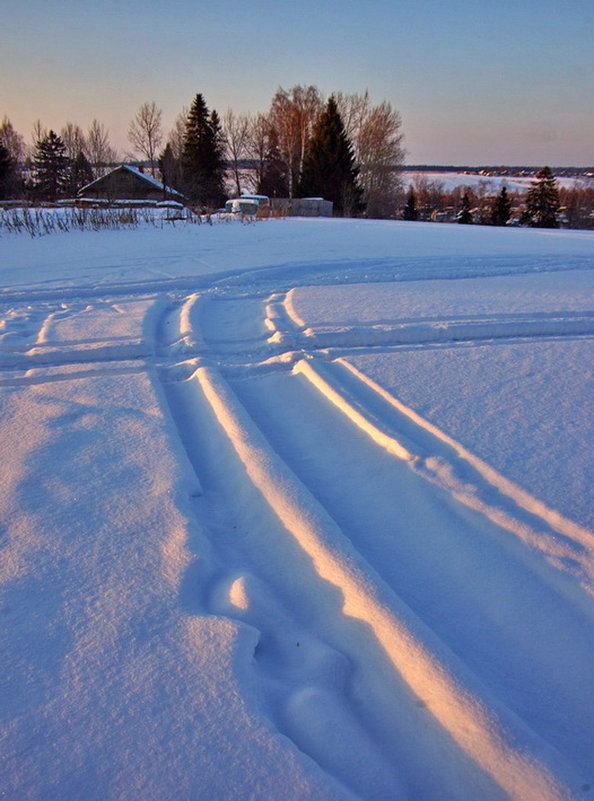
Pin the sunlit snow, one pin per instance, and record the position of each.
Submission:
(298, 509)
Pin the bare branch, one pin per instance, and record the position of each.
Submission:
(236, 129)
(145, 132)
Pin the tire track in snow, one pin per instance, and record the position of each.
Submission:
(304, 668)
(252, 575)
(449, 465)
(78, 333)
(485, 731)
(289, 330)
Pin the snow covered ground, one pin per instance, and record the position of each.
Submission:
(493, 183)
(299, 509)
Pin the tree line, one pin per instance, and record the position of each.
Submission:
(55, 164)
(544, 205)
(345, 148)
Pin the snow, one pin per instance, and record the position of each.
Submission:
(297, 509)
(509, 348)
(492, 183)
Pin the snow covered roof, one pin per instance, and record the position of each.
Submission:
(155, 184)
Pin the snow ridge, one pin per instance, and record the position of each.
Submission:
(439, 466)
(484, 731)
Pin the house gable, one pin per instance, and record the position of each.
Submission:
(128, 183)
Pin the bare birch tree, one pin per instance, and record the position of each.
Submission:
(170, 160)
(73, 137)
(38, 133)
(12, 141)
(376, 136)
(236, 131)
(177, 134)
(257, 148)
(353, 110)
(99, 150)
(293, 114)
(145, 132)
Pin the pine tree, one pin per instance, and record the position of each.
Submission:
(501, 210)
(410, 210)
(329, 168)
(542, 201)
(202, 159)
(465, 215)
(51, 166)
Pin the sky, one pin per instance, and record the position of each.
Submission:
(475, 82)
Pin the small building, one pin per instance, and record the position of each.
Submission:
(302, 206)
(129, 183)
(264, 206)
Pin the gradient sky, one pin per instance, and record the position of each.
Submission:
(476, 82)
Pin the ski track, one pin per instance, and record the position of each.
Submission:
(379, 660)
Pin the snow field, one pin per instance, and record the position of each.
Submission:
(275, 254)
(493, 183)
(496, 381)
(268, 532)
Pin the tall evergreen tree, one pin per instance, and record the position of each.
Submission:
(542, 201)
(375, 132)
(329, 167)
(218, 161)
(410, 210)
(202, 159)
(501, 210)
(465, 215)
(51, 166)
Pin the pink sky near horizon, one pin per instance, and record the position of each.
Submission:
(474, 84)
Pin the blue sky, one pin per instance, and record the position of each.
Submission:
(475, 82)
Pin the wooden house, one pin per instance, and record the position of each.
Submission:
(129, 183)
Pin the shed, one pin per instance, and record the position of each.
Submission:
(303, 206)
(128, 183)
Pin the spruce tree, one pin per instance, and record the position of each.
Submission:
(217, 179)
(329, 168)
(410, 210)
(542, 201)
(202, 159)
(50, 166)
(465, 215)
(501, 210)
